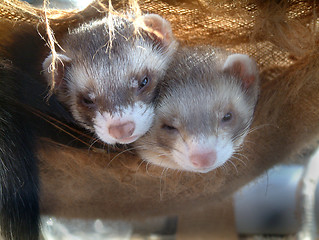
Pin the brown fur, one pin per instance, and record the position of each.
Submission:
(85, 184)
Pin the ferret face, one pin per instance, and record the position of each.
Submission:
(201, 118)
(110, 89)
(117, 104)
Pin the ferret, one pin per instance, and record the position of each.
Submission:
(108, 89)
(204, 110)
(109, 82)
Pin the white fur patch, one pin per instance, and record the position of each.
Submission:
(141, 114)
(134, 83)
(221, 145)
(92, 96)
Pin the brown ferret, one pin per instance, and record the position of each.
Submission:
(109, 81)
(204, 111)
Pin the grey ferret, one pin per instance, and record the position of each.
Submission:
(109, 82)
(204, 111)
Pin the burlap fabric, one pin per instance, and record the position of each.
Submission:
(282, 37)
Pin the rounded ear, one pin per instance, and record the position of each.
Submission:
(55, 78)
(158, 29)
(242, 66)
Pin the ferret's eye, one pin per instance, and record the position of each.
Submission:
(169, 128)
(144, 82)
(86, 101)
(228, 116)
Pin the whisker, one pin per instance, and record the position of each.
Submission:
(61, 129)
(259, 127)
(240, 160)
(250, 142)
(47, 117)
(96, 138)
(143, 161)
(180, 172)
(230, 161)
(224, 168)
(117, 155)
(242, 155)
(49, 120)
(147, 166)
(161, 193)
(91, 146)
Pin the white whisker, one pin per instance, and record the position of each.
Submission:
(117, 155)
(242, 155)
(239, 160)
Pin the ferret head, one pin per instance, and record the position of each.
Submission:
(109, 81)
(203, 114)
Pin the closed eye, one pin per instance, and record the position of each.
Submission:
(88, 102)
(169, 128)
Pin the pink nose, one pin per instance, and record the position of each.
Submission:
(122, 130)
(200, 160)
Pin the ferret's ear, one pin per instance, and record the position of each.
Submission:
(55, 79)
(242, 66)
(158, 29)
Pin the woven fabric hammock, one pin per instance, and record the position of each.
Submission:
(281, 36)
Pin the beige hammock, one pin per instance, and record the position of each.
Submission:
(281, 36)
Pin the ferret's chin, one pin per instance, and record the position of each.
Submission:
(203, 170)
(187, 166)
(109, 140)
(196, 170)
(209, 168)
(128, 139)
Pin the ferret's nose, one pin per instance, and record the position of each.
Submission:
(123, 130)
(200, 160)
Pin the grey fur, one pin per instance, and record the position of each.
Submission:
(194, 97)
(109, 69)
